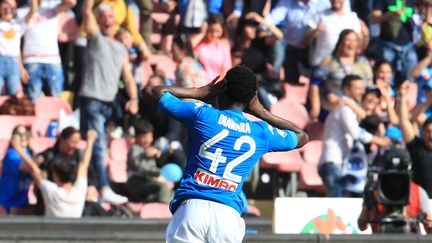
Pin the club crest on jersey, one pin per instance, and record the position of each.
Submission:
(203, 177)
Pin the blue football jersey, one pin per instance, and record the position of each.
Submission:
(224, 146)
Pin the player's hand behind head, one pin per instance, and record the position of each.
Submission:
(254, 107)
(212, 89)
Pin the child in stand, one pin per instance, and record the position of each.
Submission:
(144, 162)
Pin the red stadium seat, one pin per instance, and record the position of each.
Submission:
(296, 93)
(39, 127)
(40, 144)
(117, 166)
(164, 64)
(8, 123)
(315, 130)
(292, 111)
(310, 180)
(155, 211)
(312, 151)
(48, 107)
(4, 145)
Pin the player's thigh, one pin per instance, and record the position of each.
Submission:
(226, 226)
(189, 223)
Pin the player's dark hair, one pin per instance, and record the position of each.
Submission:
(347, 81)
(142, 127)
(241, 84)
(65, 168)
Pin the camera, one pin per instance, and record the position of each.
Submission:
(388, 191)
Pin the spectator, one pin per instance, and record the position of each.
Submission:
(425, 10)
(41, 53)
(383, 79)
(423, 111)
(144, 162)
(11, 31)
(167, 131)
(65, 148)
(251, 50)
(124, 16)
(419, 147)
(189, 72)
(396, 43)
(105, 61)
(422, 72)
(15, 180)
(341, 127)
(326, 27)
(293, 16)
(252, 47)
(325, 88)
(212, 46)
(145, 21)
(65, 196)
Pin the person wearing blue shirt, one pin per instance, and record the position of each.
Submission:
(15, 181)
(224, 147)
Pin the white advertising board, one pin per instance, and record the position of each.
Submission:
(317, 216)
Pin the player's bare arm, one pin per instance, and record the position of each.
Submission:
(151, 95)
(255, 108)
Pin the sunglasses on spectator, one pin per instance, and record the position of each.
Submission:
(8, 6)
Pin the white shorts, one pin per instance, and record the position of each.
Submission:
(199, 220)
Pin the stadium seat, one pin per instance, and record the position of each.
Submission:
(4, 144)
(310, 180)
(117, 166)
(164, 64)
(48, 107)
(8, 123)
(39, 127)
(136, 207)
(292, 111)
(315, 130)
(40, 144)
(296, 93)
(67, 96)
(312, 151)
(155, 211)
(284, 163)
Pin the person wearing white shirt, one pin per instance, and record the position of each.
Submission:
(341, 129)
(65, 196)
(11, 31)
(41, 55)
(325, 28)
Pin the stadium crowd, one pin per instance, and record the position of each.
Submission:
(352, 73)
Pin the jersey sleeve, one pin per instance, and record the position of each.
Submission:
(184, 111)
(280, 140)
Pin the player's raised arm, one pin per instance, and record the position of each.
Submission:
(152, 95)
(255, 108)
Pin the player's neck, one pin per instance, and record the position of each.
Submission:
(233, 106)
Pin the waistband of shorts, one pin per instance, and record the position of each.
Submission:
(209, 203)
